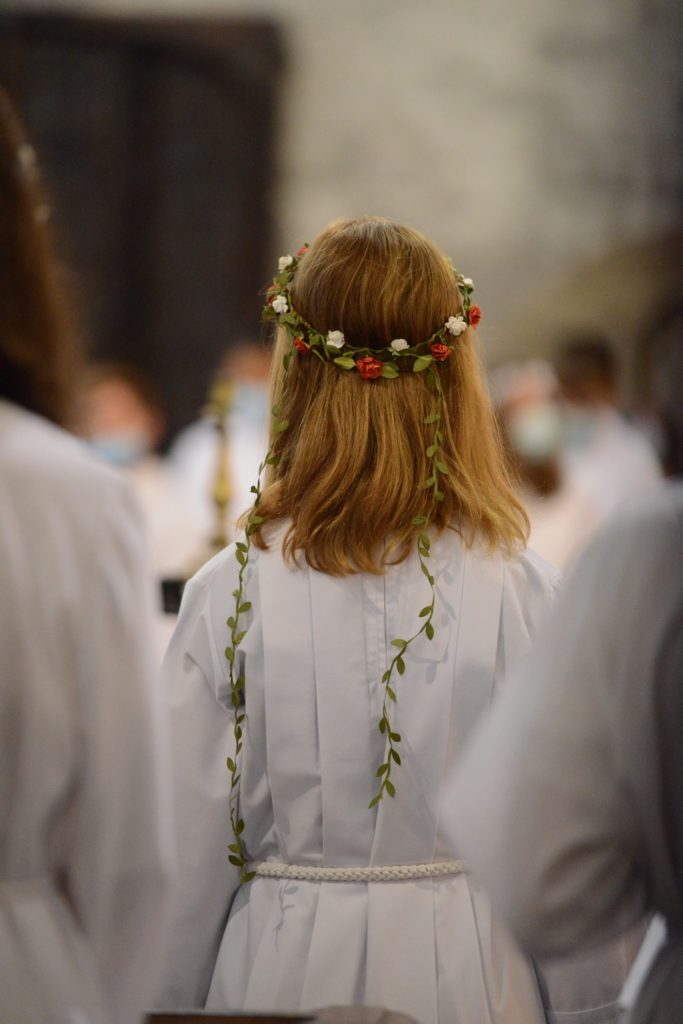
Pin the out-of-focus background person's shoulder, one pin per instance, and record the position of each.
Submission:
(85, 850)
(124, 422)
(575, 823)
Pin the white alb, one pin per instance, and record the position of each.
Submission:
(85, 840)
(314, 652)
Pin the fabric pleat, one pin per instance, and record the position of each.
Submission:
(314, 654)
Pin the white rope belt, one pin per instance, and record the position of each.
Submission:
(381, 873)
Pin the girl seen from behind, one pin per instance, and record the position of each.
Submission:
(341, 653)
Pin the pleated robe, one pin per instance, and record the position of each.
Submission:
(313, 655)
(86, 860)
(577, 825)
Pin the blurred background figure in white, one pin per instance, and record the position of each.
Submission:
(562, 514)
(124, 422)
(195, 453)
(569, 801)
(603, 452)
(85, 842)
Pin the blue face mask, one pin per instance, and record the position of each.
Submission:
(578, 427)
(535, 431)
(251, 404)
(120, 449)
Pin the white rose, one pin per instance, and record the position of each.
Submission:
(467, 281)
(455, 325)
(284, 262)
(335, 339)
(398, 344)
(280, 304)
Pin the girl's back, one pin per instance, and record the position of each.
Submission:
(316, 647)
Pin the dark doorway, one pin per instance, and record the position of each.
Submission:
(157, 140)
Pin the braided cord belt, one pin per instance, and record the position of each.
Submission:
(381, 873)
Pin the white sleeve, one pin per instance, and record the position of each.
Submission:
(541, 811)
(119, 858)
(530, 590)
(195, 678)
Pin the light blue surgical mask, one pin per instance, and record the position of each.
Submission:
(579, 427)
(123, 448)
(534, 431)
(250, 404)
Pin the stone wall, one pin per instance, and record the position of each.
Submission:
(530, 139)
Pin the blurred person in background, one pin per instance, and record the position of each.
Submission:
(124, 421)
(562, 515)
(85, 843)
(194, 455)
(569, 801)
(603, 453)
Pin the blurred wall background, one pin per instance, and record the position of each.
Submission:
(539, 142)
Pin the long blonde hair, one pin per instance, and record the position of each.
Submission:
(352, 463)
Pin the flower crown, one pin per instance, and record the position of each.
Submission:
(371, 364)
(387, 362)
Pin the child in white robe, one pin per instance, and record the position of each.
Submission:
(85, 839)
(382, 439)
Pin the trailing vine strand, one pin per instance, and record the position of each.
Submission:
(239, 855)
(436, 467)
(398, 357)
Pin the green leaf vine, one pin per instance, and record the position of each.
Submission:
(387, 363)
(239, 855)
(437, 468)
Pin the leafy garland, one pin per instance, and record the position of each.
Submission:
(386, 363)
(370, 363)
(238, 851)
(437, 468)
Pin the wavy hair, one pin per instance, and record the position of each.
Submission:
(353, 460)
(39, 353)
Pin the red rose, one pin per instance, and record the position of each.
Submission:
(474, 316)
(368, 367)
(303, 250)
(301, 346)
(440, 350)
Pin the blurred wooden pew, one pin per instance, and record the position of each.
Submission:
(334, 1015)
(205, 1017)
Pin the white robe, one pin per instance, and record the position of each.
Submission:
(194, 459)
(315, 649)
(84, 813)
(615, 464)
(173, 519)
(562, 523)
(576, 824)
